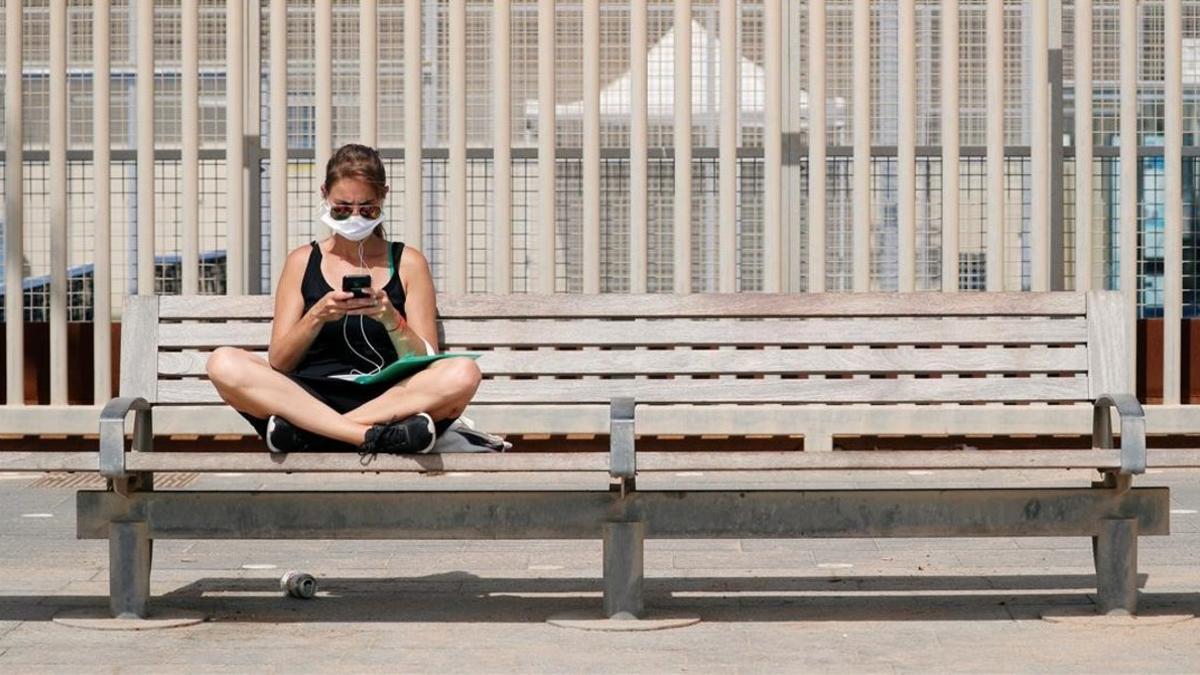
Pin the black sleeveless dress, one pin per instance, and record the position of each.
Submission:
(329, 354)
(340, 347)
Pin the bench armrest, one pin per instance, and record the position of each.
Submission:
(1133, 429)
(622, 461)
(112, 433)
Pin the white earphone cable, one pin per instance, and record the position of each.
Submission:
(378, 366)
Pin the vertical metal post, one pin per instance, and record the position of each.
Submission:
(368, 72)
(547, 142)
(414, 198)
(793, 112)
(591, 146)
(323, 86)
(190, 137)
(862, 145)
(501, 267)
(773, 147)
(279, 140)
(638, 151)
(145, 148)
(235, 156)
(456, 190)
(994, 23)
(101, 154)
(252, 150)
(1173, 244)
(1058, 244)
(1039, 225)
(624, 568)
(58, 202)
(1083, 145)
(950, 143)
(906, 151)
(683, 146)
(14, 218)
(1129, 176)
(816, 146)
(727, 227)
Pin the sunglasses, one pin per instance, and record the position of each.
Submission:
(344, 211)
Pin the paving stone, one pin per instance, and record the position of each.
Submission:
(691, 545)
(753, 545)
(1027, 559)
(756, 560)
(947, 544)
(907, 560)
(409, 563)
(1058, 543)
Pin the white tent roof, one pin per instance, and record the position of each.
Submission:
(660, 83)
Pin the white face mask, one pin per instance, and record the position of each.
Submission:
(354, 228)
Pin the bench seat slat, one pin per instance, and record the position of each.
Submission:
(944, 390)
(693, 305)
(726, 420)
(1038, 358)
(672, 332)
(49, 461)
(786, 391)
(648, 462)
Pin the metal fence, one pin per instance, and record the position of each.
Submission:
(540, 146)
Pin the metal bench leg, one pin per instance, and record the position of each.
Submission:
(1116, 565)
(129, 553)
(624, 545)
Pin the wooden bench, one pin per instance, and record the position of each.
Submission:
(634, 367)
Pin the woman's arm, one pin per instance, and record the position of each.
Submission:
(420, 305)
(292, 331)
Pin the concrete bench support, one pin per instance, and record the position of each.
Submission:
(1116, 565)
(624, 564)
(129, 556)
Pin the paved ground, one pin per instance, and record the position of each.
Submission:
(830, 605)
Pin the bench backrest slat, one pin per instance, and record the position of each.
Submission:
(709, 391)
(671, 332)
(689, 361)
(699, 305)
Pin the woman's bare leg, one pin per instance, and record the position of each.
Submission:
(249, 384)
(443, 390)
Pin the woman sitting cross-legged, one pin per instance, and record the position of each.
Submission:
(293, 398)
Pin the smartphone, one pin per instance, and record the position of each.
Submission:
(358, 284)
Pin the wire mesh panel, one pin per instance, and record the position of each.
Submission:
(750, 220)
(1191, 237)
(614, 226)
(839, 231)
(1017, 193)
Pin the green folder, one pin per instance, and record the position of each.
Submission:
(405, 366)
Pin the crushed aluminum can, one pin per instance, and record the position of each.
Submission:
(298, 584)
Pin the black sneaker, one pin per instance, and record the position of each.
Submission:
(413, 435)
(283, 436)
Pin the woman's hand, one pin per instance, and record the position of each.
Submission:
(337, 304)
(383, 311)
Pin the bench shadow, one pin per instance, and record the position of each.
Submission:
(460, 597)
